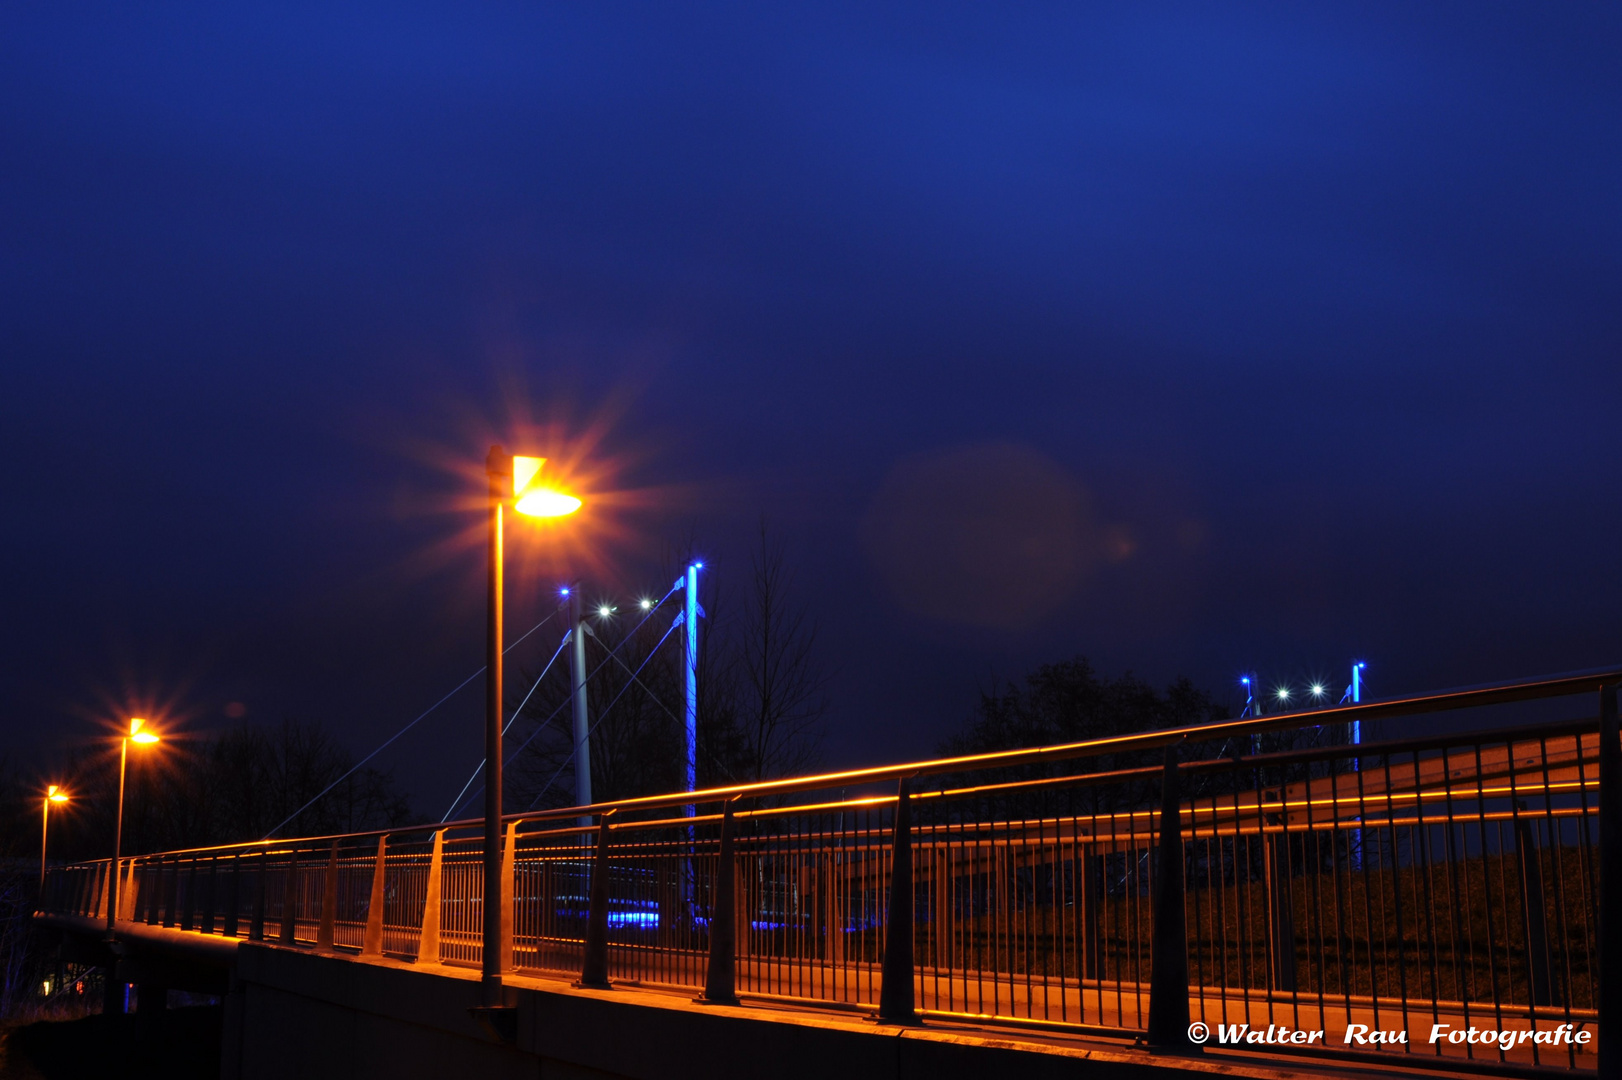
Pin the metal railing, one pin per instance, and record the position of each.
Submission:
(1142, 886)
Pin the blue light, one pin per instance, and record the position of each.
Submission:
(647, 919)
(1245, 680)
(563, 592)
(698, 566)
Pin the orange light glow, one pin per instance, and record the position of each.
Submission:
(145, 738)
(56, 794)
(543, 502)
(534, 500)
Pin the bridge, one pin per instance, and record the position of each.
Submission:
(1205, 899)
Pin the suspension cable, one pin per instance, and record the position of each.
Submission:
(387, 742)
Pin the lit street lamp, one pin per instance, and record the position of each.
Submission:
(516, 480)
(52, 794)
(141, 737)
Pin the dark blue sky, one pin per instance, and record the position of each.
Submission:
(1193, 340)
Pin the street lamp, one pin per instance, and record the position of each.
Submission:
(513, 479)
(52, 794)
(139, 735)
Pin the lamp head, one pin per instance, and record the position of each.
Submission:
(534, 499)
(56, 794)
(138, 733)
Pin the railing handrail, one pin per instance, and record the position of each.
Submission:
(1548, 686)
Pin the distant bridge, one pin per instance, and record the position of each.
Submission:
(1056, 903)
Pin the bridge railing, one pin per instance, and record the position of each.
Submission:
(1259, 872)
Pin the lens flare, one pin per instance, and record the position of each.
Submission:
(546, 503)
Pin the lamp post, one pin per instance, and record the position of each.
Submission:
(53, 794)
(513, 479)
(115, 1000)
(144, 738)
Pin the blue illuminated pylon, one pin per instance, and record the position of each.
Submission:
(1253, 707)
(1355, 693)
(689, 620)
(690, 614)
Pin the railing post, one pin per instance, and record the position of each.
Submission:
(432, 906)
(1608, 1037)
(189, 912)
(509, 860)
(1168, 977)
(373, 943)
(1533, 912)
(896, 979)
(152, 892)
(594, 968)
(233, 894)
(171, 893)
(719, 984)
(213, 894)
(329, 902)
(290, 899)
(256, 923)
(126, 898)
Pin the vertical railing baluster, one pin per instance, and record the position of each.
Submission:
(233, 898)
(256, 926)
(719, 984)
(211, 895)
(1168, 971)
(329, 902)
(896, 1000)
(372, 945)
(594, 967)
(188, 913)
(432, 907)
(126, 899)
(152, 892)
(290, 900)
(1530, 865)
(509, 852)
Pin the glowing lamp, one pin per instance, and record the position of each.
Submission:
(533, 499)
(145, 738)
(56, 794)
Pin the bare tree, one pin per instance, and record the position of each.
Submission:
(782, 688)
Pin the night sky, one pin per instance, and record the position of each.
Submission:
(1196, 341)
